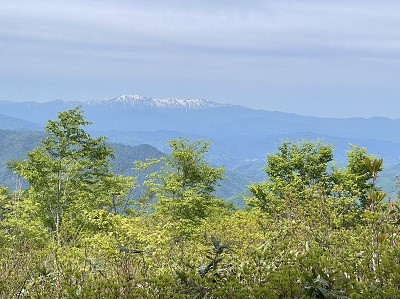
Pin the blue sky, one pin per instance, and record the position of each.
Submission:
(324, 58)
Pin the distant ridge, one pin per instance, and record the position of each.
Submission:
(129, 101)
(145, 102)
(238, 129)
(13, 123)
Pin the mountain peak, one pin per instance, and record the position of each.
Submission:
(144, 102)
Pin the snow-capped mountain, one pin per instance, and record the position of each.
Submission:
(230, 125)
(126, 101)
(132, 112)
(137, 101)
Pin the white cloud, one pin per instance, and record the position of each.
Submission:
(258, 45)
(273, 26)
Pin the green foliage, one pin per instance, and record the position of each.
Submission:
(310, 233)
(185, 184)
(300, 171)
(69, 175)
(319, 285)
(298, 168)
(185, 170)
(359, 177)
(4, 202)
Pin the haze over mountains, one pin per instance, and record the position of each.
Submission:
(233, 128)
(241, 136)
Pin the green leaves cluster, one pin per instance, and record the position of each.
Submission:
(184, 186)
(313, 230)
(305, 171)
(69, 177)
(299, 167)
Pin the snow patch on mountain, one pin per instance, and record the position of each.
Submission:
(144, 102)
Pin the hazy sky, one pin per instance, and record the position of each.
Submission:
(323, 58)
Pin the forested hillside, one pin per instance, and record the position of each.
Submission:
(231, 188)
(15, 145)
(12, 123)
(77, 231)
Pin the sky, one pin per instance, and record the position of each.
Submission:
(322, 58)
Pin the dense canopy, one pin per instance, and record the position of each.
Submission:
(312, 230)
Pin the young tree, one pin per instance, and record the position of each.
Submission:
(297, 170)
(68, 174)
(300, 171)
(359, 177)
(185, 183)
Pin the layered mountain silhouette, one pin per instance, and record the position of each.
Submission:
(241, 136)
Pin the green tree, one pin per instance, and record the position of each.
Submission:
(185, 183)
(297, 171)
(69, 175)
(359, 177)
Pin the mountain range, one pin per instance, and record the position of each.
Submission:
(241, 137)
